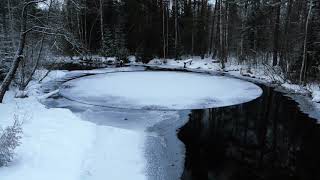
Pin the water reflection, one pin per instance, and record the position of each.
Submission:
(268, 138)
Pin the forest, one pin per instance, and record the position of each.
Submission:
(283, 34)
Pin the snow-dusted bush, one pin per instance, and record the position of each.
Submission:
(9, 140)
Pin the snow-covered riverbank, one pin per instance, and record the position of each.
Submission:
(58, 144)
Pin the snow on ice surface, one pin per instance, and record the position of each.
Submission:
(58, 145)
(160, 90)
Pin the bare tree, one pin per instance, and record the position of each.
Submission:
(24, 82)
(19, 53)
(284, 53)
(193, 27)
(243, 21)
(276, 32)
(101, 25)
(222, 48)
(176, 28)
(305, 48)
(163, 29)
(211, 47)
(11, 22)
(226, 33)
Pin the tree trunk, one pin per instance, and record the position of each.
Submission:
(19, 53)
(221, 54)
(167, 44)
(204, 38)
(284, 54)
(163, 29)
(176, 28)
(244, 19)
(276, 33)
(226, 34)
(202, 32)
(192, 31)
(35, 67)
(212, 28)
(11, 23)
(101, 25)
(85, 27)
(80, 28)
(305, 49)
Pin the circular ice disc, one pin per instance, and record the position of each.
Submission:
(159, 90)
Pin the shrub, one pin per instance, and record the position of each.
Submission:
(9, 140)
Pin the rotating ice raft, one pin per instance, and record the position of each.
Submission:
(159, 90)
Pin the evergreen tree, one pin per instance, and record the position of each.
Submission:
(109, 44)
(120, 42)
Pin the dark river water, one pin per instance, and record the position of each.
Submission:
(266, 139)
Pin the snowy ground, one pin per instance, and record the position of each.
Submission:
(57, 144)
(54, 141)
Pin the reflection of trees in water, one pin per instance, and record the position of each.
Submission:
(264, 139)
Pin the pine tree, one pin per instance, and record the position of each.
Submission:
(121, 51)
(109, 48)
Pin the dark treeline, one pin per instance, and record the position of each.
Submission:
(149, 28)
(282, 34)
(285, 32)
